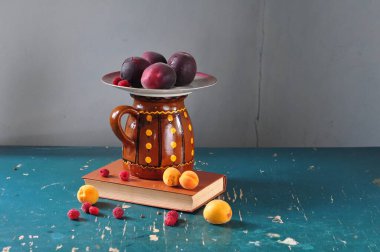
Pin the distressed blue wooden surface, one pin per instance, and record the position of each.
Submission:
(328, 200)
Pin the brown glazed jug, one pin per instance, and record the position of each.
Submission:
(158, 134)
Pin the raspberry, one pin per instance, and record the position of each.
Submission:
(124, 175)
(93, 210)
(116, 80)
(170, 220)
(173, 213)
(124, 83)
(86, 207)
(73, 214)
(104, 172)
(118, 212)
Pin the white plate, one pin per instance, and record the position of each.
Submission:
(201, 80)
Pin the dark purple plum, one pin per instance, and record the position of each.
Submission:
(184, 66)
(132, 70)
(153, 57)
(158, 76)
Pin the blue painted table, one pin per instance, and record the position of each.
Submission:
(322, 199)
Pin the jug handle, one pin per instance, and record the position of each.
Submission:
(115, 122)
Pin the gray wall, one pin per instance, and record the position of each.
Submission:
(53, 53)
(307, 70)
(321, 75)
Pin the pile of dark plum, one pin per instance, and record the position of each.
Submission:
(151, 70)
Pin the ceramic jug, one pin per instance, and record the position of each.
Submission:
(158, 134)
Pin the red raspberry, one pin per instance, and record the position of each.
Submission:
(104, 172)
(124, 175)
(73, 214)
(173, 213)
(124, 83)
(170, 220)
(86, 207)
(93, 210)
(118, 212)
(116, 80)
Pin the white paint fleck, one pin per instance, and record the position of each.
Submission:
(8, 178)
(108, 229)
(58, 247)
(245, 231)
(125, 206)
(125, 228)
(35, 236)
(311, 168)
(18, 166)
(344, 242)
(273, 235)
(74, 249)
(52, 184)
(256, 243)
(241, 194)
(332, 199)
(214, 239)
(289, 241)
(276, 219)
(21, 237)
(235, 195)
(87, 248)
(261, 171)
(23, 244)
(7, 249)
(25, 174)
(153, 237)
(85, 166)
(72, 237)
(155, 230)
(241, 219)
(228, 197)
(113, 250)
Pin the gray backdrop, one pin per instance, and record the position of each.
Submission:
(293, 73)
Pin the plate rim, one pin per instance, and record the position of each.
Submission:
(172, 92)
